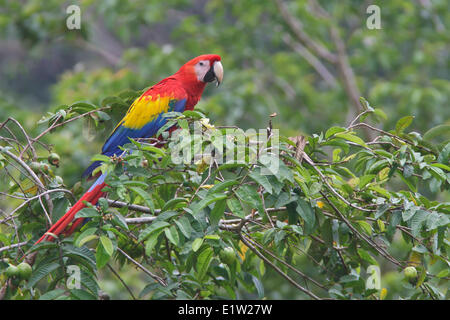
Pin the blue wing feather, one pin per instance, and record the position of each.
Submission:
(120, 135)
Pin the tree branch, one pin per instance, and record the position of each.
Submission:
(297, 29)
(312, 60)
(140, 266)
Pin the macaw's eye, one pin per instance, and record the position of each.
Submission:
(201, 63)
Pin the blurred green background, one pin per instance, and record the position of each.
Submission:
(304, 60)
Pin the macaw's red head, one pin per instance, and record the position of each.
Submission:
(203, 69)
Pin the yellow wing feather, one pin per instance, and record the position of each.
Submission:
(144, 110)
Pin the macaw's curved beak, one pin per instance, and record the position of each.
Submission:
(214, 73)
(218, 71)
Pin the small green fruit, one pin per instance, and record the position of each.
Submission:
(45, 168)
(12, 271)
(25, 270)
(53, 159)
(77, 188)
(35, 166)
(410, 273)
(227, 255)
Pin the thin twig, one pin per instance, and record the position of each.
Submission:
(121, 280)
(140, 266)
(297, 29)
(321, 69)
(278, 270)
(287, 264)
(16, 245)
(56, 124)
(38, 182)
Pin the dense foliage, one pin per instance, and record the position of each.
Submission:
(203, 227)
(370, 195)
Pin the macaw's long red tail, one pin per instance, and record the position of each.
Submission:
(62, 225)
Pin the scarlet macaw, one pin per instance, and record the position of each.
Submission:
(179, 92)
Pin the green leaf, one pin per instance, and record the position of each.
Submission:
(41, 272)
(81, 254)
(212, 237)
(444, 155)
(82, 294)
(183, 124)
(350, 137)
(417, 221)
(259, 287)
(53, 294)
(365, 226)
(145, 196)
(250, 195)
(165, 216)
(378, 165)
(236, 207)
(101, 256)
(155, 226)
(437, 173)
(82, 107)
(306, 212)
(364, 180)
(441, 166)
(262, 180)
(380, 113)
(435, 220)
(135, 184)
(194, 114)
(381, 210)
(42, 246)
(185, 227)
(222, 186)
(442, 130)
(394, 221)
(443, 273)
(217, 212)
(107, 245)
(172, 235)
(151, 242)
(103, 116)
(172, 203)
(119, 220)
(411, 185)
(203, 262)
(87, 213)
(197, 244)
(101, 157)
(408, 214)
(408, 171)
(87, 239)
(403, 123)
(315, 188)
(197, 206)
(367, 257)
(228, 166)
(153, 149)
(334, 130)
(114, 101)
(89, 281)
(365, 104)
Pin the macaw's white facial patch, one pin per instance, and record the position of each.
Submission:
(201, 68)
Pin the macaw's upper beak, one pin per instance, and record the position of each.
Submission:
(218, 71)
(214, 73)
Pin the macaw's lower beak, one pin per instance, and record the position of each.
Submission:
(214, 73)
